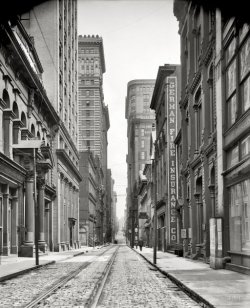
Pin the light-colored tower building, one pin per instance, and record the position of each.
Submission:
(93, 115)
(53, 25)
(141, 120)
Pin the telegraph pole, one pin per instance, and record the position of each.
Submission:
(155, 212)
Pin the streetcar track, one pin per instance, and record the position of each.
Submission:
(61, 282)
(107, 271)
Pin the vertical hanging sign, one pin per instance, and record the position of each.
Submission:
(171, 108)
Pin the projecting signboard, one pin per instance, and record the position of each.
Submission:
(171, 116)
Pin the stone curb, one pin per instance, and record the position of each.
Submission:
(24, 271)
(191, 293)
(13, 275)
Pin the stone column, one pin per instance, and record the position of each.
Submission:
(6, 231)
(27, 248)
(14, 223)
(41, 211)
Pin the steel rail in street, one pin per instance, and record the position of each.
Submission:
(95, 300)
(62, 281)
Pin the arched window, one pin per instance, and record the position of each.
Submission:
(6, 98)
(211, 98)
(15, 110)
(23, 119)
(33, 132)
(16, 125)
(38, 135)
(198, 118)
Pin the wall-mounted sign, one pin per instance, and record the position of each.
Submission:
(171, 118)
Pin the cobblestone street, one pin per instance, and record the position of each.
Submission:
(134, 283)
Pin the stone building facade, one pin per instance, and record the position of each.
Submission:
(28, 124)
(215, 136)
(53, 27)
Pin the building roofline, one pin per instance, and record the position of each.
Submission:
(94, 40)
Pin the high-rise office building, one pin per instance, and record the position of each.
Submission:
(53, 27)
(93, 118)
(141, 121)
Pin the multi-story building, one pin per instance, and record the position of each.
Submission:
(215, 136)
(198, 133)
(165, 104)
(89, 198)
(28, 124)
(93, 116)
(140, 121)
(53, 27)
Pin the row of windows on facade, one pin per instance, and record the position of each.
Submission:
(237, 77)
(239, 152)
(141, 89)
(87, 50)
(36, 132)
(86, 82)
(143, 132)
(86, 92)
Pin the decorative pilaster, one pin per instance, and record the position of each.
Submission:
(14, 223)
(28, 247)
(6, 213)
(41, 195)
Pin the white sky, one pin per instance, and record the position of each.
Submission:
(138, 37)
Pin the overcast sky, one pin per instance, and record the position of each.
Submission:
(138, 37)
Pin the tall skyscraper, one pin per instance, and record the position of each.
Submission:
(53, 27)
(93, 117)
(92, 111)
(141, 121)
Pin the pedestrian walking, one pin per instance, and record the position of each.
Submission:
(140, 244)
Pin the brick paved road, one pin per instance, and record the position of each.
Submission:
(135, 283)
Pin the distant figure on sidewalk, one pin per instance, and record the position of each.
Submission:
(140, 244)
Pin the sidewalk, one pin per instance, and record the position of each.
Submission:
(11, 266)
(215, 288)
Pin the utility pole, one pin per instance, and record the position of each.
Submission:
(36, 209)
(155, 212)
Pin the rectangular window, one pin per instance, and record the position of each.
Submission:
(246, 94)
(231, 79)
(245, 59)
(230, 50)
(142, 155)
(239, 210)
(142, 143)
(245, 147)
(231, 111)
(233, 157)
(142, 132)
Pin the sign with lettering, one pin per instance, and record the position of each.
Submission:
(171, 118)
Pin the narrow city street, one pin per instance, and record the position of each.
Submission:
(135, 283)
(114, 276)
